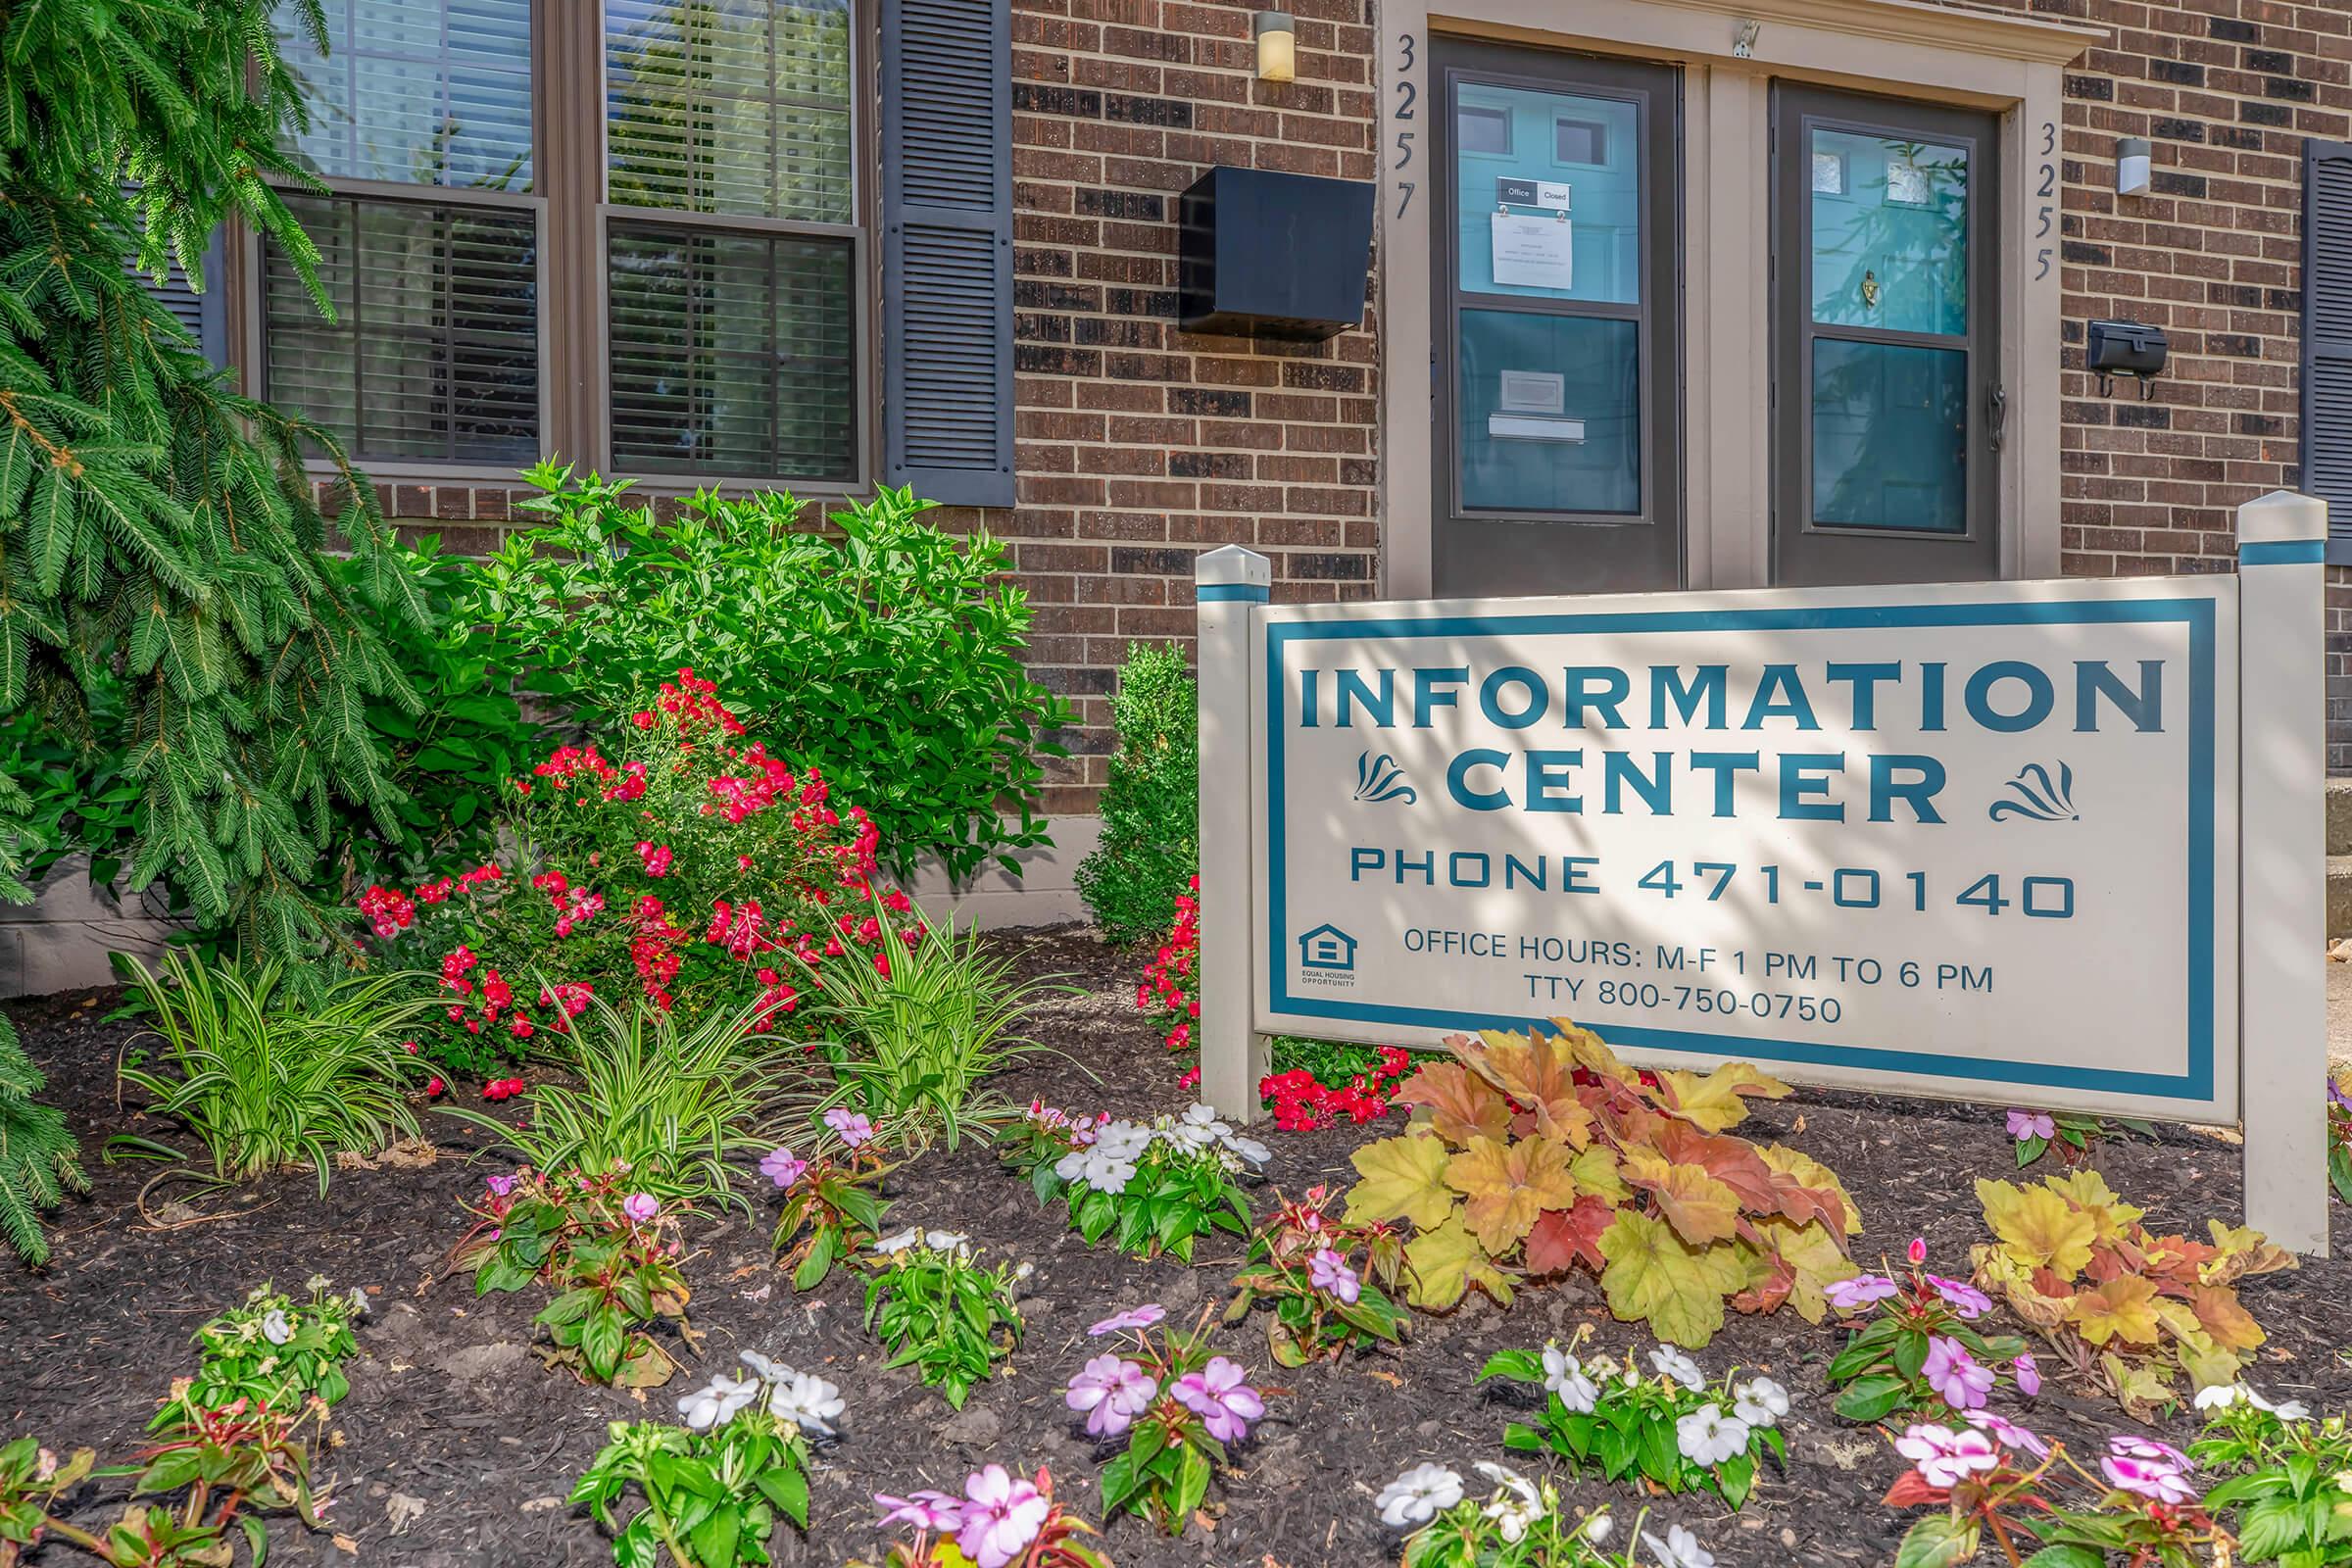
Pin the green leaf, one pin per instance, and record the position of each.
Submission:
(2269, 1528)
(1873, 1397)
(1938, 1540)
(2067, 1554)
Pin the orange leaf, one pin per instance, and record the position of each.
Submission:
(1733, 1162)
(1461, 1105)
(1506, 1185)
(1700, 1208)
(1561, 1237)
(1539, 1072)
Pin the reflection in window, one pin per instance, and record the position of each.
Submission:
(415, 93)
(730, 105)
(1483, 131)
(1890, 243)
(1588, 144)
(1889, 436)
(434, 351)
(1550, 412)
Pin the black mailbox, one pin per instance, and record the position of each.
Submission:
(2124, 348)
(1273, 255)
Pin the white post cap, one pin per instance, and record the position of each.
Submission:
(2282, 517)
(1234, 566)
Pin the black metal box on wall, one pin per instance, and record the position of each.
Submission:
(1273, 255)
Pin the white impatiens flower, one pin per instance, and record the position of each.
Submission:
(945, 1241)
(766, 1368)
(1249, 1148)
(715, 1404)
(1122, 1140)
(806, 1398)
(277, 1327)
(360, 1305)
(1105, 1170)
(1418, 1495)
(1597, 1526)
(1760, 1403)
(1680, 1550)
(1708, 1437)
(2222, 1396)
(1516, 1505)
(1674, 1364)
(1198, 1130)
(898, 1243)
(1565, 1377)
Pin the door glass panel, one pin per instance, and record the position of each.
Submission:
(1525, 159)
(1550, 413)
(1890, 233)
(1889, 436)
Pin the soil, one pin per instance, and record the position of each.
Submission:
(458, 1447)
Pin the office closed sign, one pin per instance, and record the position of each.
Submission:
(1977, 837)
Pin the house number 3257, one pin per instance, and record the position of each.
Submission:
(1407, 96)
(2045, 191)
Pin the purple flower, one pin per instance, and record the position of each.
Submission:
(1136, 1317)
(641, 1207)
(1955, 1375)
(781, 1168)
(2338, 1098)
(2153, 1478)
(1944, 1457)
(500, 1186)
(924, 1510)
(2007, 1432)
(1328, 1271)
(1224, 1403)
(1851, 1296)
(1112, 1392)
(2024, 1124)
(1964, 1298)
(1002, 1514)
(852, 1128)
(2028, 1373)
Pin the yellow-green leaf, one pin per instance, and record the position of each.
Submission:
(1718, 1099)
(2039, 1226)
(1447, 1261)
(1655, 1275)
(1506, 1185)
(1403, 1178)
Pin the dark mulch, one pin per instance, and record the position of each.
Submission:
(451, 1410)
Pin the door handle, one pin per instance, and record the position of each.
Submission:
(1997, 411)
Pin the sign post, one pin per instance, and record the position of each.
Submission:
(1978, 841)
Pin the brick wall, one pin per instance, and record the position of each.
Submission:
(1139, 444)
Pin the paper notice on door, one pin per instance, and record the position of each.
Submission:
(1533, 252)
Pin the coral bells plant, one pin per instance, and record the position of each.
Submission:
(1003, 1520)
(1170, 991)
(1531, 1154)
(1915, 1346)
(2118, 1301)
(1670, 1427)
(1991, 1479)
(1330, 1284)
(689, 867)
(1155, 1188)
(1181, 1408)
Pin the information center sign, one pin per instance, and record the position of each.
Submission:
(1972, 839)
(2043, 843)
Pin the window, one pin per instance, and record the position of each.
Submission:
(420, 121)
(1886, 340)
(710, 254)
(734, 319)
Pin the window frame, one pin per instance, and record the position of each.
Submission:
(572, 215)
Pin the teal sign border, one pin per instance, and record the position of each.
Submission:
(2195, 1084)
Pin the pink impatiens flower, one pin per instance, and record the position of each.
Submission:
(2007, 1432)
(641, 1207)
(1111, 1392)
(1963, 1299)
(1138, 1317)
(2028, 1373)
(2024, 1124)
(924, 1510)
(849, 1126)
(1851, 1296)
(1955, 1376)
(1217, 1394)
(1328, 1271)
(1944, 1457)
(1002, 1514)
(2157, 1480)
(779, 1166)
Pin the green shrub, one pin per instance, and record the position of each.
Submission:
(265, 1083)
(668, 1101)
(913, 1039)
(38, 1160)
(1150, 844)
(888, 657)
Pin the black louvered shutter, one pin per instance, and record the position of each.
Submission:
(946, 250)
(2327, 337)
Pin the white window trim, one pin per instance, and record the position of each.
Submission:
(1911, 48)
